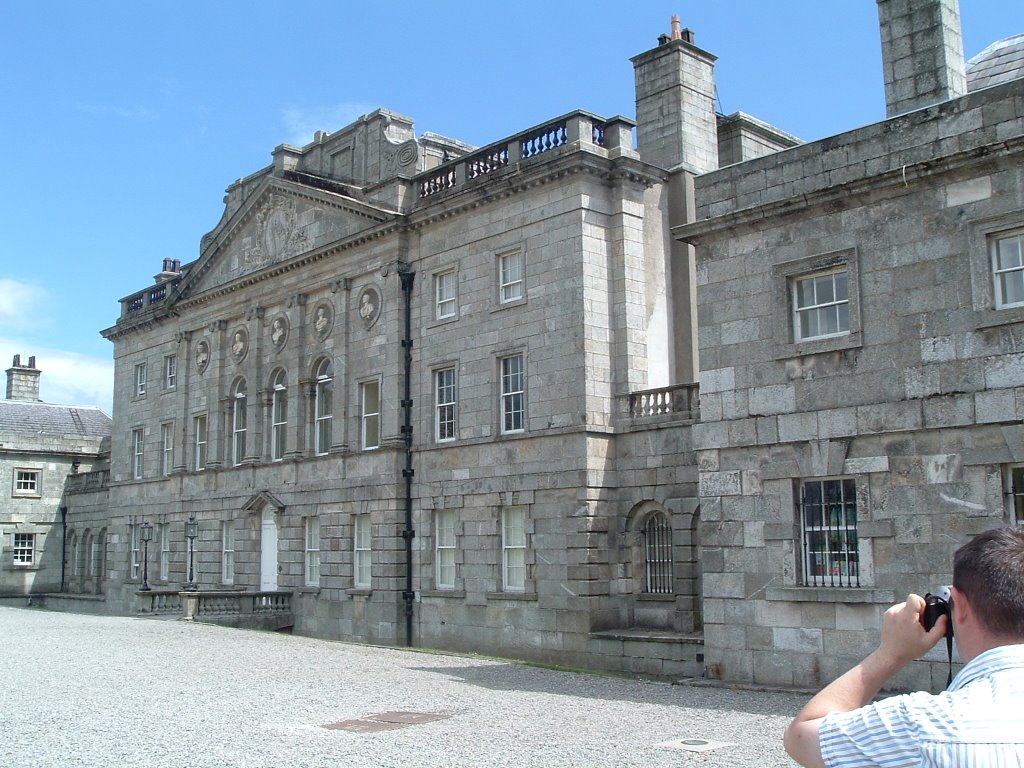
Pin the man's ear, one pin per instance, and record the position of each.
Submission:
(961, 607)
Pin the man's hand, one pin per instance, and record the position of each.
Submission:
(903, 640)
(903, 635)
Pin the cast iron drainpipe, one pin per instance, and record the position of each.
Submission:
(63, 545)
(409, 533)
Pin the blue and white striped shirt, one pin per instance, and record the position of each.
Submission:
(978, 722)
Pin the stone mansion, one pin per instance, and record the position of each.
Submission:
(702, 404)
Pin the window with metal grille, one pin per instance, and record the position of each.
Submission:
(1014, 483)
(828, 524)
(658, 555)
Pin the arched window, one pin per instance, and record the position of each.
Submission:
(323, 407)
(74, 555)
(279, 416)
(238, 423)
(658, 554)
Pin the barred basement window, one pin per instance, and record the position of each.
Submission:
(828, 523)
(1014, 484)
(658, 555)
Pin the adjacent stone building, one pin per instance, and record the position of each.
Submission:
(41, 446)
(447, 396)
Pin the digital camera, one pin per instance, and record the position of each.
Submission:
(935, 605)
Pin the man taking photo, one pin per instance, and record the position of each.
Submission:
(977, 721)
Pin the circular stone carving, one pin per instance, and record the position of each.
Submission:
(323, 319)
(239, 344)
(279, 332)
(368, 305)
(202, 355)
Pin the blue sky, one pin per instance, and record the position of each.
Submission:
(125, 121)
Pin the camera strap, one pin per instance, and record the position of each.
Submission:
(949, 648)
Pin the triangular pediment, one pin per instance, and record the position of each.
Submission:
(280, 221)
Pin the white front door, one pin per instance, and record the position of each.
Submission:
(268, 551)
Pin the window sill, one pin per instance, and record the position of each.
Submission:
(359, 592)
(852, 340)
(456, 593)
(996, 318)
(509, 304)
(23, 567)
(309, 589)
(831, 595)
(511, 596)
(656, 597)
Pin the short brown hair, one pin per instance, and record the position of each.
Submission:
(989, 570)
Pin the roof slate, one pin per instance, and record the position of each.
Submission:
(21, 417)
(999, 63)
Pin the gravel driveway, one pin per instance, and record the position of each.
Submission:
(111, 691)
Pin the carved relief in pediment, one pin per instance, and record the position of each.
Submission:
(277, 236)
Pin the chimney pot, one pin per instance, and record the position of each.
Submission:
(676, 26)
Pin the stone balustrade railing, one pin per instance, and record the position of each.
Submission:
(580, 128)
(681, 400)
(152, 295)
(87, 481)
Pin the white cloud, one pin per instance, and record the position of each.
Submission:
(301, 124)
(68, 378)
(20, 303)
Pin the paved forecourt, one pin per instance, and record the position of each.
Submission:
(107, 691)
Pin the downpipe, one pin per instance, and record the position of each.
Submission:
(408, 534)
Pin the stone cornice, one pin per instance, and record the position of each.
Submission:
(890, 183)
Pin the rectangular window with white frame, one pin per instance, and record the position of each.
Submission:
(513, 549)
(1013, 486)
(199, 452)
(444, 405)
(510, 276)
(513, 393)
(312, 552)
(140, 379)
(28, 482)
(166, 448)
(227, 561)
(828, 527)
(1008, 269)
(369, 399)
(24, 549)
(362, 553)
(821, 305)
(445, 295)
(444, 549)
(134, 554)
(165, 551)
(138, 446)
(170, 371)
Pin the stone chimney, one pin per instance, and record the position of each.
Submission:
(23, 380)
(675, 104)
(922, 53)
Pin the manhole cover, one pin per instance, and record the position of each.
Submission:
(386, 721)
(408, 718)
(695, 745)
(363, 726)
